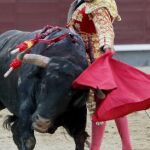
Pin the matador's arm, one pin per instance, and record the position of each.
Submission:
(103, 24)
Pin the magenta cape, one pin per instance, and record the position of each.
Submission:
(127, 88)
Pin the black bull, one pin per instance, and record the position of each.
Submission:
(42, 99)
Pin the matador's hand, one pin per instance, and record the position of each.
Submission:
(100, 94)
(106, 48)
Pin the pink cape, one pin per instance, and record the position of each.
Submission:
(127, 88)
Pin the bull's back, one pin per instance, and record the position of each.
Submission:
(9, 39)
(70, 48)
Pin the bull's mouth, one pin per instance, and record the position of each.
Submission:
(40, 124)
(38, 128)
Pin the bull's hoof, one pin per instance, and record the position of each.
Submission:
(30, 143)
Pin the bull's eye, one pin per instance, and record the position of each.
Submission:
(48, 74)
(43, 86)
(54, 76)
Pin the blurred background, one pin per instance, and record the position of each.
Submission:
(132, 33)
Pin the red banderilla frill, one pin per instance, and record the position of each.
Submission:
(15, 64)
(25, 45)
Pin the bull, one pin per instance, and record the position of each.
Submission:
(42, 98)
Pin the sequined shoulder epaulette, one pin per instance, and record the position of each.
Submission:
(109, 4)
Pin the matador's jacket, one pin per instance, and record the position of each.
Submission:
(93, 20)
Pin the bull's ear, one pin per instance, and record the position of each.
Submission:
(80, 98)
(72, 70)
(37, 72)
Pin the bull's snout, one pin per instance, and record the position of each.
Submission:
(40, 124)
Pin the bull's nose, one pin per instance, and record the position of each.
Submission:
(40, 124)
(38, 118)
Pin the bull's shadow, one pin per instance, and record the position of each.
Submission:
(42, 98)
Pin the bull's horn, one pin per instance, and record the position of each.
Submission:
(39, 60)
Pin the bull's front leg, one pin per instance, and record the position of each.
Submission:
(80, 139)
(23, 134)
(75, 124)
(1, 106)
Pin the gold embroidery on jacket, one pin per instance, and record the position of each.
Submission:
(77, 14)
(102, 21)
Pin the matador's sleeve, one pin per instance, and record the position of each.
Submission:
(104, 12)
(103, 24)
